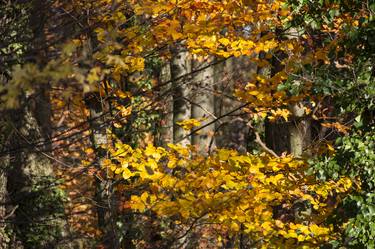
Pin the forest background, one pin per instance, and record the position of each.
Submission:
(187, 124)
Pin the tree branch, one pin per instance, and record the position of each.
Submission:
(263, 145)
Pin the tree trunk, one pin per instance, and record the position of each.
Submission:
(180, 66)
(277, 136)
(4, 164)
(106, 212)
(166, 127)
(38, 216)
(231, 131)
(300, 131)
(202, 104)
(36, 202)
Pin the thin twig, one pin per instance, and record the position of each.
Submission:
(213, 121)
(10, 213)
(263, 145)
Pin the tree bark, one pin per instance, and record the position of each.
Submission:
(202, 104)
(166, 127)
(180, 66)
(38, 207)
(4, 164)
(300, 131)
(232, 131)
(103, 194)
(36, 204)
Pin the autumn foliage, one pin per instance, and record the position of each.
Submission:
(126, 189)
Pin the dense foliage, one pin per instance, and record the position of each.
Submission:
(82, 85)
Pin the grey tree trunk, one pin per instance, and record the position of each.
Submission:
(103, 193)
(4, 165)
(36, 201)
(180, 66)
(202, 104)
(106, 211)
(166, 127)
(300, 131)
(231, 131)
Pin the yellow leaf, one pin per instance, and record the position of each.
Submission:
(118, 171)
(235, 227)
(144, 197)
(126, 174)
(89, 151)
(224, 41)
(330, 147)
(224, 154)
(137, 204)
(254, 93)
(301, 237)
(188, 124)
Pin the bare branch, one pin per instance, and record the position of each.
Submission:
(263, 145)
